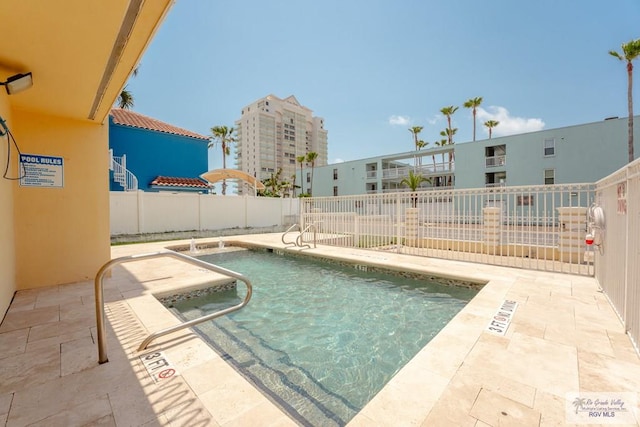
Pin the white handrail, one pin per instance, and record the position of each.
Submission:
(100, 322)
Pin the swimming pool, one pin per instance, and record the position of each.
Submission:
(321, 339)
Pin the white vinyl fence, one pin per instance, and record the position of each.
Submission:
(139, 212)
(618, 260)
(534, 227)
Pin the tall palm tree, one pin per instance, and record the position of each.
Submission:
(491, 124)
(473, 103)
(311, 158)
(448, 112)
(125, 99)
(420, 145)
(224, 136)
(630, 51)
(415, 130)
(301, 160)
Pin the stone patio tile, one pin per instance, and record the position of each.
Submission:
(93, 412)
(35, 345)
(58, 328)
(24, 300)
(416, 403)
(77, 355)
(230, 398)
(455, 403)
(58, 300)
(28, 369)
(528, 360)
(13, 342)
(600, 373)
(5, 405)
(78, 313)
(202, 378)
(496, 410)
(622, 347)
(263, 415)
(24, 319)
(189, 414)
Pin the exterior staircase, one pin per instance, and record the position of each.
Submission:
(123, 176)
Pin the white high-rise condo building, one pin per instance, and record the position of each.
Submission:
(273, 132)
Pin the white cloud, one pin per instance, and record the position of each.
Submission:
(508, 125)
(435, 119)
(399, 120)
(338, 161)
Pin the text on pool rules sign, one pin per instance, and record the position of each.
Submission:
(41, 171)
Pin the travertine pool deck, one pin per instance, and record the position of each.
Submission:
(564, 338)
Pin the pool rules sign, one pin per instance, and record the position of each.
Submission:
(41, 171)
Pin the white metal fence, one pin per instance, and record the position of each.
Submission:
(618, 260)
(535, 227)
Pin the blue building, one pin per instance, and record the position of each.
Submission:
(574, 154)
(150, 155)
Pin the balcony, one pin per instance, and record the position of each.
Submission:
(495, 161)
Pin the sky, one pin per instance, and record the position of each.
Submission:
(374, 68)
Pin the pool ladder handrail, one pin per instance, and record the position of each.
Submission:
(299, 241)
(284, 242)
(98, 284)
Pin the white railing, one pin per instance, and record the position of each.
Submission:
(424, 170)
(536, 227)
(492, 162)
(617, 261)
(121, 174)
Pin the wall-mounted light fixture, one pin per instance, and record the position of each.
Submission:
(18, 83)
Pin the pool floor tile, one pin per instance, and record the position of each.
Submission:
(496, 410)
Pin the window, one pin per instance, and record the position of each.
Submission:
(335, 190)
(308, 176)
(335, 174)
(549, 176)
(550, 147)
(525, 200)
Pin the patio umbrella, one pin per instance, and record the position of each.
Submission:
(221, 174)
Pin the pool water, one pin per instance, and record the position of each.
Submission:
(321, 339)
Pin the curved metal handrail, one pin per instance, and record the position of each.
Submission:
(299, 238)
(100, 323)
(285, 233)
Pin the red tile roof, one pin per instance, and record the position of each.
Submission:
(169, 181)
(137, 120)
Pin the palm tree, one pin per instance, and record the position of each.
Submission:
(311, 158)
(448, 112)
(293, 183)
(440, 143)
(473, 103)
(301, 160)
(125, 99)
(631, 51)
(225, 136)
(420, 145)
(413, 181)
(415, 131)
(491, 124)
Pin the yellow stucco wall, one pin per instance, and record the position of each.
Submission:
(62, 234)
(7, 248)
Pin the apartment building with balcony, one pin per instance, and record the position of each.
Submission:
(572, 154)
(273, 132)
